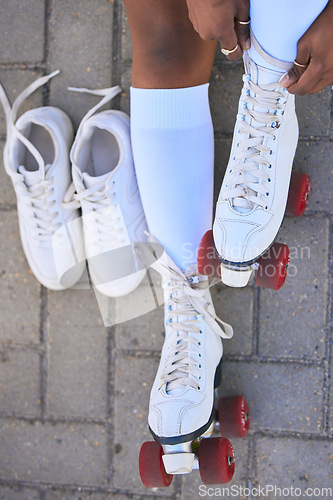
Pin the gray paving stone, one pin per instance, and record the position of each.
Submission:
(315, 159)
(303, 464)
(82, 495)
(76, 307)
(330, 423)
(134, 378)
(292, 319)
(193, 488)
(280, 397)
(81, 34)
(228, 302)
(57, 453)
(17, 24)
(19, 290)
(313, 112)
(77, 357)
(222, 152)
(145, 332)
(19, 382)
(7, 194)
(18, 494)
(14, 81)
(225, 86)
(78, 372)
(126, 42)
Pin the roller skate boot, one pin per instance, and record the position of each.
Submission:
(181, 408)
(254, 192)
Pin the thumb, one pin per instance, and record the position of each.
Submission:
(293, 75)
(300, 65)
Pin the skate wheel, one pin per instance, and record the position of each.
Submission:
(299, 190)
(216, 460)
(273, 265)
(151, 467)
(233, 414)
(208, 261)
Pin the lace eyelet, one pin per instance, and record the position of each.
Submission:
(267, 194)
(200, 355)
(200, 366)
(269, 180)
(199, 344)
(200, 331)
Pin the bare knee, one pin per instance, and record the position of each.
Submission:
(167, 52)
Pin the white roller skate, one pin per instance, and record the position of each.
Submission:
(181, 409)
(254, 192)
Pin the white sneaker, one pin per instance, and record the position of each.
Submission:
(182, 396)
(107, 191)
(254, 191)
(36, 157)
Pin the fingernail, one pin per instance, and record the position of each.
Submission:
(284, 80)
(247, 44)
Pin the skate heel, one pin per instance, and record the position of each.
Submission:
(178, 463)
(237, 277)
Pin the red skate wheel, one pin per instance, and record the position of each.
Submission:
(273, 265)
(208, 261)
(216, 460)
(151, 467)
(233, 413)
(299, 190)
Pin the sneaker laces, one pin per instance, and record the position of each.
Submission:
(39, 201)
(248, 177)
(11, 115)
(39, 197)
(101, 211)
(98, 199)
(186, 306)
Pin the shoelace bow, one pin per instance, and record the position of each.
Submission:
(248, 182)
(185, 308)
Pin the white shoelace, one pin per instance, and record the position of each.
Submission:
(38, 203)
(11, 115)
(99, 200)
(38, 198)
(102, 213)
(249, 176)
(185, 308)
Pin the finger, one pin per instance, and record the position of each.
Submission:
(243, 34)
(293, 75)
(307, 81)
(243, 30)
(229, 42)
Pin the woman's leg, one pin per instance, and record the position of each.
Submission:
(171, 127)
(278, 27)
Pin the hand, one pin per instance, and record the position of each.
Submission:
(216, 20)
(315, 50)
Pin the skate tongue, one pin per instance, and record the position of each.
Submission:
(91, 181)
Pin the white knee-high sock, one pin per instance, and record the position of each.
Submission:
(279, 25)
(173, 149)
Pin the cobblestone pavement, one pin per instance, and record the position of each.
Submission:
(73, 393)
